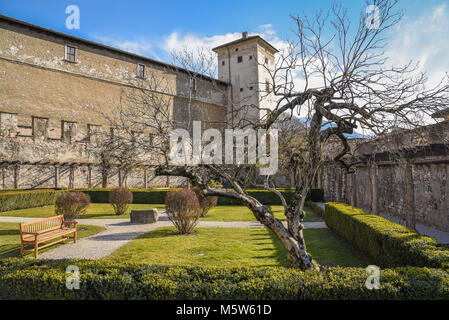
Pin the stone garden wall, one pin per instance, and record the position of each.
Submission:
(416, 191)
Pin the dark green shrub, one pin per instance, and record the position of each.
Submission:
(388, 243)
(14, 200)
(46, 279)
(269, 198)
(153, 196)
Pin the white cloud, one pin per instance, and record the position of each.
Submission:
(192, 41)
(423, 40)
(140, 46)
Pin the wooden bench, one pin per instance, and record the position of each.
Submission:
(44, 230)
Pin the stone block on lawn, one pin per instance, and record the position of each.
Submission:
(144, 216)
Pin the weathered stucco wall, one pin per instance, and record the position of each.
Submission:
(49, 107)
(36, 80)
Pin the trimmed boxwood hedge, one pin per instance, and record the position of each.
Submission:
(157, 196)
(14, 200)
(315, 208)
(46, 279)
(30, 189)
(388, 243)
(153, 196)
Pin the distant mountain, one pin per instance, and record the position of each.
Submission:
(355, 134)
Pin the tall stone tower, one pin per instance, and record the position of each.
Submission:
(246, 64)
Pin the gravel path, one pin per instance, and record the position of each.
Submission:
(120, 231)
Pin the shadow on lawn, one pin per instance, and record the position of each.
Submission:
(280, 254)
(10, 232)
(9, 251)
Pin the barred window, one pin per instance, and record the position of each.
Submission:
(70, 53)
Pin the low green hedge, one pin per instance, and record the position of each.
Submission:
(157, 196)
(387, 243)
(26, 198)
(14, 200)
(153, 196)
(46, 279)
(269, 198)
(30, 189)
(315, 208)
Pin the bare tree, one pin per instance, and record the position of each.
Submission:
(346, 83)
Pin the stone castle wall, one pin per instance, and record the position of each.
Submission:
(50, 107)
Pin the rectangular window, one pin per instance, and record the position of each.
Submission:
(239, 59)
(192, 84)
(266, 60)
(267, 86)
(250, 57)
(241, 89)
(223, 63)
(70, 53)
(141, 71)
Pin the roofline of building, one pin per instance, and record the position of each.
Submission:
(246, 39)
(109, 48)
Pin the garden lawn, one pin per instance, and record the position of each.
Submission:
(231, 247)
(242, 213)
(94, 211)
(10, 239)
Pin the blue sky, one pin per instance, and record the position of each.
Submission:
(154, 28)
(145, 26)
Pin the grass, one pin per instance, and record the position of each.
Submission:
(231, 247)
(242, 213)
(10, 239)
(330, 250)
(94, 211)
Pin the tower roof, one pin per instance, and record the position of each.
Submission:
(245, 38)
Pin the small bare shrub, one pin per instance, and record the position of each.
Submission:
(183, 210)
(72, 205)
(120, 198)
(206, 202)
